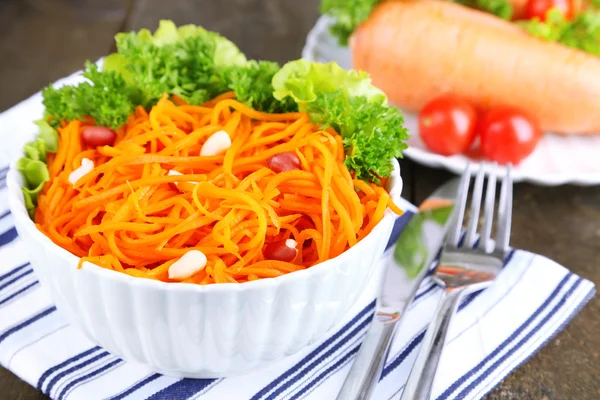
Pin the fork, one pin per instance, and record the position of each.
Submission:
(465, 266)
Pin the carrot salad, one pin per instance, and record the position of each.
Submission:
(154, 195)
(181, 160)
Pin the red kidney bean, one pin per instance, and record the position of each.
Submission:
(282, 250)
(303, 223)
(95, 136)
(284, 162)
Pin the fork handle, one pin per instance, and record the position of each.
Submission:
(420, 380)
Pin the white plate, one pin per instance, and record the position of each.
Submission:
(557, 159)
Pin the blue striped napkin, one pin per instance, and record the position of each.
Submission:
(493, 333)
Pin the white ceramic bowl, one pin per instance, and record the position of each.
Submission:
(201, 331)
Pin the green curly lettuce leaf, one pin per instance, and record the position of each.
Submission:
(347, 15)
(582, 32)
(304, 80)
(500, 8)
(33, 166)
(47, 135)
(371, 130)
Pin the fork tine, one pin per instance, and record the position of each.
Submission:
(488, 212)
(475, 206)
(505, 212)
(455, 228)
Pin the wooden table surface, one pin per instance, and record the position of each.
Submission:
(43, 40)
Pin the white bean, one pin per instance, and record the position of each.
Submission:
(189, 264)
(177, 173)
(86, 167)
(217, 143)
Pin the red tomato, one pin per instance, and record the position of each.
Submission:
(508, 135)
(539, 8)
(447, 125)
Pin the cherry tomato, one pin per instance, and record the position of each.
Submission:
(447, 125)
(539, 8)
(98, 136)
(508, 134)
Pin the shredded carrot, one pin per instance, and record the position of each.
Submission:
(133, 215)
